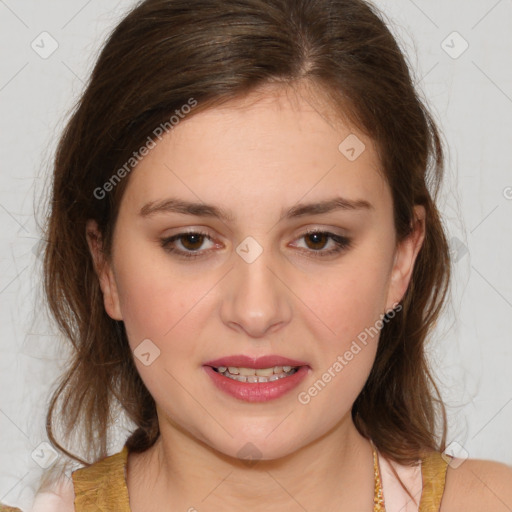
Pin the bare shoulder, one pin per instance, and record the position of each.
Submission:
(60, 498)
(477, 485)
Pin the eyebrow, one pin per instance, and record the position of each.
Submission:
(173, 205)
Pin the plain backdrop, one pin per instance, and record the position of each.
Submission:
(460, 56)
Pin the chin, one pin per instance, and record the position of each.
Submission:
(259, 446)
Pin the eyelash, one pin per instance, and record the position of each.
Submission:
(342, 243)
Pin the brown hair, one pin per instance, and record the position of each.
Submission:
(162, 54)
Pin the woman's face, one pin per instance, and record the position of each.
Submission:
(256, 284)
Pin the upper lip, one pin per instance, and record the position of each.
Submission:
(243, 361)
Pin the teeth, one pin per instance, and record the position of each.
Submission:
(254, 375)
(264, 372)
(260, 372)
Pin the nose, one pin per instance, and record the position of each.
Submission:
(255, 297)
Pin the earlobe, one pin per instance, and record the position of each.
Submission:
(104, 272)
(405, 258)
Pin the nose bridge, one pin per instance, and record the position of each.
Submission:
(255, 300)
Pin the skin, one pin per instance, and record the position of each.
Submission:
(255, 157)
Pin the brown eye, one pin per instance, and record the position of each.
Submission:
(318, 240)
(324, 243)
(192, 241)
(187, 244)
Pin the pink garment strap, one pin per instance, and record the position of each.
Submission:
(395, 496)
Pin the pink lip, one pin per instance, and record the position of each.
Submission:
(258, 391)
(243, 361)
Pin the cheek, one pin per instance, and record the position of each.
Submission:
(345, 301)
(345, 318)
(158, 299)
(343, 360)
(166, 306)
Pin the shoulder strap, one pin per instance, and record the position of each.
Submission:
(102, 486)
(7, 508)
(433, 474)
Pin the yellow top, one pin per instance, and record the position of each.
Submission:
(102, 486)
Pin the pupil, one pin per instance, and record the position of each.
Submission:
(315, 237)
(196, 241)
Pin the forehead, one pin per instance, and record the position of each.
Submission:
(271, 147)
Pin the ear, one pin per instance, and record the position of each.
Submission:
(103, 270)
(405, 256)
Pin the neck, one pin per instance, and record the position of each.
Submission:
(334, 472)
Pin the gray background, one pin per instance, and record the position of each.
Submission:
(470, 93)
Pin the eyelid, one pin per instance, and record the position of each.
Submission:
(342, 243)
(166, 241)
(319, 228)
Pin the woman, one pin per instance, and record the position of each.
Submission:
(245, 251)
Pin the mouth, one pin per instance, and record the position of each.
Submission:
(254, 375)
(256, 380)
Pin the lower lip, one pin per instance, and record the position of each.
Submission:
(257, 391)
